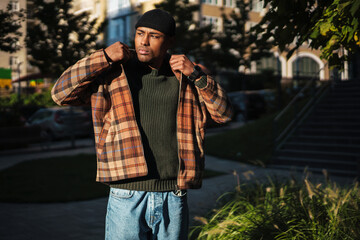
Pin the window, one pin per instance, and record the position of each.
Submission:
(271, 63)
(120, 30)
(214, 21)
(13, 61)
(213, 2)
(97, 8)
(257, 5)
(124, 4)
(117, 30)
(228, 3)
(115, 5)
(15, 6)
(305, 67)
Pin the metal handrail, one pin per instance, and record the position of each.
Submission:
(292, 102)
(277, 137)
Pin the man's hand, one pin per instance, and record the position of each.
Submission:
(180, 63)
(118, 52)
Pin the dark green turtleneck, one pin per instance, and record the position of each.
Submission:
(155, 96)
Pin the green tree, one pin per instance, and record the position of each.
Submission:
(331, 26)
(235, 45)
(191, 38)
(58, 37)
(337, 29)
(10, 25)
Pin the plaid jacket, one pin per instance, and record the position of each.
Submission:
(119, 148)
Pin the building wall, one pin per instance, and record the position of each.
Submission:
(212, 11)
(96, 8)
(119, 15)
(215, 8)
(21, 55)
(122, 16)
(147, 5)
(255, 16)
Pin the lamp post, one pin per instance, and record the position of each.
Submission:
(19, 86)
(278, 79)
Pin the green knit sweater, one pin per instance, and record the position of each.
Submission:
(155, 96)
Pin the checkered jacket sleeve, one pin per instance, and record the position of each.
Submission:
(216, 101)
(72, 88)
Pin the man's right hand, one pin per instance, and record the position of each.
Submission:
(118, 52)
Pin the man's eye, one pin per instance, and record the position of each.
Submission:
(155, 36)
(140, 33)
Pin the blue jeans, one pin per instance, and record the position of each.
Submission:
(133, 215)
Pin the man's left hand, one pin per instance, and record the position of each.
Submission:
(180, 63)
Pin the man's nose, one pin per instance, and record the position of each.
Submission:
(145, 40)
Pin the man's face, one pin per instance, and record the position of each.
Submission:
(151, 46)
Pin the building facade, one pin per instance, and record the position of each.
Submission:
(18, 62)
(304, 63)
(123, 14)
(97, 10)
(15, 62)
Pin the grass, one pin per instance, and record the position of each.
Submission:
(292, 210)
(60, 179)
(251, 143)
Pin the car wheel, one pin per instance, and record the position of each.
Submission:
(48, 135)
(239, 117)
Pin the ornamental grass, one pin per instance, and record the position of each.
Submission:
(290, 210)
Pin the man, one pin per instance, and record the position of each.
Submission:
(149, 112)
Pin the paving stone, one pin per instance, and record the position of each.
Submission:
(85, 220)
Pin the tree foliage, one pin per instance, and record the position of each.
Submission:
(190, 36)
(58, 38)
(10, 25)
(235, 44)
(227, 49)
(330, 26)
(338, 28)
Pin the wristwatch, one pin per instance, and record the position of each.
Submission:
(196, 73)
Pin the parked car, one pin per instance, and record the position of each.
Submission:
(60, 122)
(239, 102)
(10, 118)
(247, 105)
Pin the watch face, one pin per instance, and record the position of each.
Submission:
(197, 68)
(196, 73)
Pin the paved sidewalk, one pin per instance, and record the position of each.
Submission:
(12, 157)
(85, 220)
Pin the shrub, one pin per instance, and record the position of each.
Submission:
(42, 99)
(286, 211)
(14, 110)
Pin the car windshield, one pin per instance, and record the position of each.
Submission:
(71, 112)
(40, 115)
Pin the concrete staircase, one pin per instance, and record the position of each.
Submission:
(330, 136)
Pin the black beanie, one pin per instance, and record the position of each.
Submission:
(159, 20)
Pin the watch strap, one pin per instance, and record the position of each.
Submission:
(201, 82)
(197, 72)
